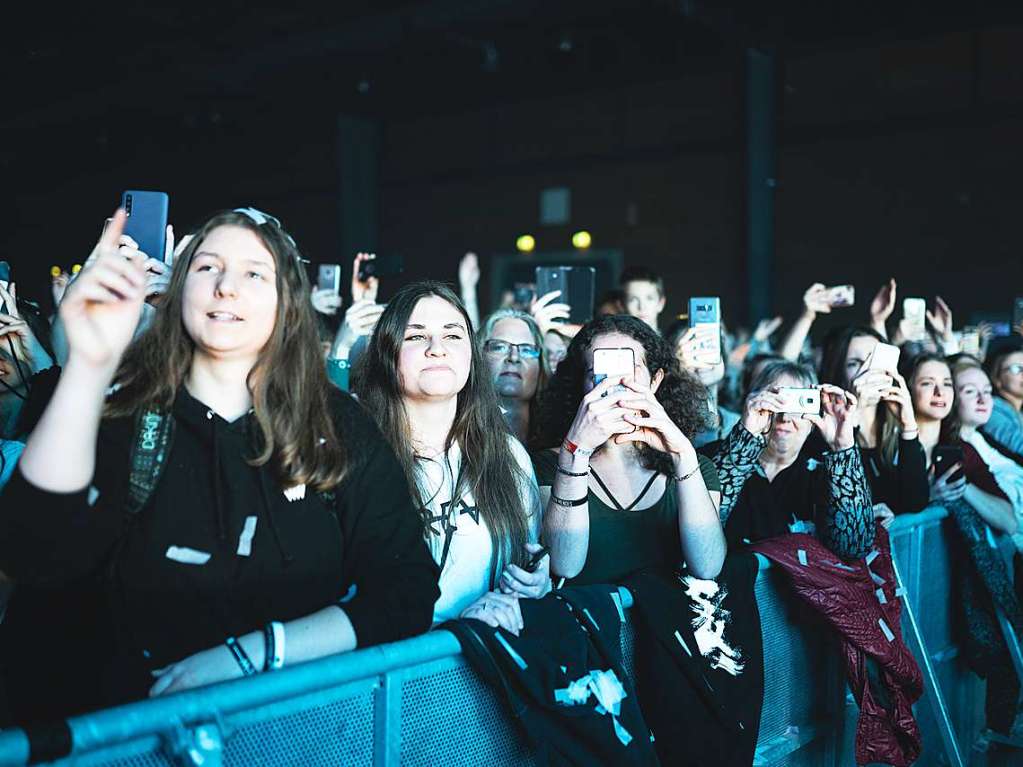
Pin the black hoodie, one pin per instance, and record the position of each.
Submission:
(176, 577)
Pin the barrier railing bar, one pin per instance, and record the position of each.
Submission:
(933, 689)
(781, 746)
(387, 730)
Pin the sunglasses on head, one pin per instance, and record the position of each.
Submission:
(259, 218)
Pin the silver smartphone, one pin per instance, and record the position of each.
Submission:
(328, 277)
(841, 295)
(613, 363)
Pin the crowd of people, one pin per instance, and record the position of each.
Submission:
(210, 469)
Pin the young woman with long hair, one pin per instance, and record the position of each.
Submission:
(887, 434)
(625, 487)
(280, 511)
(425, 380)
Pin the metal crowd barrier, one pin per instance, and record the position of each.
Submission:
(416, 702)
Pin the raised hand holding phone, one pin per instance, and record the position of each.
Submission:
(101, 308)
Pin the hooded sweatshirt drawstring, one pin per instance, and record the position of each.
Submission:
(286, 558)
(218, 501)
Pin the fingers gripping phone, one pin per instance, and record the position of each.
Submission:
(576, 284)
(706, 311)
(914, 311)
(147, 220)
(613, 363)
(841, 295)
(328, 277)
(946, 456)
(800, 399)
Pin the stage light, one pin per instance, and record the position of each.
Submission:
(525, 243)
(582, 240)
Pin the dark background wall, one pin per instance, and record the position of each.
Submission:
(897, 157)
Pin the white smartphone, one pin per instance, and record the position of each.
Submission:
(798, 399)
(706, 312)
(613, 362)
(841, 295)
(914, 310)
(970, 341)
(884, 357)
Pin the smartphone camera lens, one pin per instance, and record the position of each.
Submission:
(127, 204)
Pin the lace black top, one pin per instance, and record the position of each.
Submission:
(828, 493)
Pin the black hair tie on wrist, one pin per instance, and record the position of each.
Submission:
(242, 657)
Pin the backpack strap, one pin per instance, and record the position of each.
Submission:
(154, 432)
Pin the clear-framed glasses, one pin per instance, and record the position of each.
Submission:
(503, 349)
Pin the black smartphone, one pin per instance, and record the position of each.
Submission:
(537, 558)
(576, 284)
(381, 266)
(945, 456)
(147, 220)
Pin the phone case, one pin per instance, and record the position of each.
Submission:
(706, 310)
(576, 284)
(613, 362)
(147, 220)
(328, 277)
(885, 357)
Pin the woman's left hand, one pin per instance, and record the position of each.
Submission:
(838, 419)
(524, 584)
(213, 665)
(653, 425)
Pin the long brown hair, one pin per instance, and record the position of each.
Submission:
(489, 469)
(289, 385)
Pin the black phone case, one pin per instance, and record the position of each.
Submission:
(147, 220)
(576, 284)
(945, 456)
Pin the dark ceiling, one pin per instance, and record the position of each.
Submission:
(79, 80)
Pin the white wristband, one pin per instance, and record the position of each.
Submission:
(279, 637)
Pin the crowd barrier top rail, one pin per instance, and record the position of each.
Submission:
(132, 722)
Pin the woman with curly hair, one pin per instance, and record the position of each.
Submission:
(624, 487)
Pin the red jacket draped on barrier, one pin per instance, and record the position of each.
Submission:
(860, 600)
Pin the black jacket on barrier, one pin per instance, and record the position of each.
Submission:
(545, 678)
(219, 550)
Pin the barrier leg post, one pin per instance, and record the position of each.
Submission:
(933, 689)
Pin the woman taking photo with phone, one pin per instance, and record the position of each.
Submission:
(887, 435)
(625, 488)
(238, 513)
(770, 486)
(425, 380)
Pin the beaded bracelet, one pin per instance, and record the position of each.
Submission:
(684, 477)
(568, 473)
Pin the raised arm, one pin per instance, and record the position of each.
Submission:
(100, 312)
(814, 303)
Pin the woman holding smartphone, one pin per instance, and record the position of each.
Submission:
(887, 435)
(277, 527)
(624, 487)
(425, 380)
(771, 486)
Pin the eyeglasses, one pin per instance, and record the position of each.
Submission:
(1015, 368)
(503, 349)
